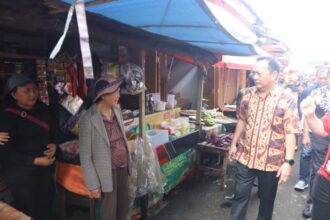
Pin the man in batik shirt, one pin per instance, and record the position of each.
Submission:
(264, 140)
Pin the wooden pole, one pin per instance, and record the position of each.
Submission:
(201, 78)
(144, 199)
(142, 108)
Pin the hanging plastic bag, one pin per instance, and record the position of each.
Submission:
(69, 152)
(132, 74)
(146, 176)
(72, 123)
(71, 103)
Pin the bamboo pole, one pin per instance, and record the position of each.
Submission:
(144, 199)
(142, 98)
(201, 78)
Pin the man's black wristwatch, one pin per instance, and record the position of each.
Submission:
(291, 162)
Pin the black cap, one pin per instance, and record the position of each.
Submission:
(18, 80)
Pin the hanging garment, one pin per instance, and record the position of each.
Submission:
(77, 78)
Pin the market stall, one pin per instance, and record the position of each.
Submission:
(175, 155)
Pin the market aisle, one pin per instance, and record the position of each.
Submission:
(202, 201)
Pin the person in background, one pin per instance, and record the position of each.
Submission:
(104, 152)
(264, 140)
(309, 78)
(294, 86)
(293, 83)
(319, 146)
(28, 156)
(321, 77)
(281, 77)
(321, 190)
(304, 141)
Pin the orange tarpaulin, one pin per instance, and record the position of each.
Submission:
(71, 178)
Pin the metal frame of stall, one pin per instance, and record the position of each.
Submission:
(202, 70)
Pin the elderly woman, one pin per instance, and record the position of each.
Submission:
(27, 153)
(103, 151)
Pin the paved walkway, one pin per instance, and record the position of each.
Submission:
(202, 201)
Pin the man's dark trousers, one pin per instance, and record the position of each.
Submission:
(268, 183)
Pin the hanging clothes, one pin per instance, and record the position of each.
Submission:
(77, 78)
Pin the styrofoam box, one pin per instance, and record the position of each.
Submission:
(160, 106)
(156, 96)
(158, 137)
(171, 102)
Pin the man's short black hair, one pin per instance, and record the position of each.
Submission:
(273, 65)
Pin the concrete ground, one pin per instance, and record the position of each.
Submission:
(203, 200)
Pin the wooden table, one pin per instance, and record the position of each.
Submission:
(210, 148)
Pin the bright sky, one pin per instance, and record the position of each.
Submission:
(304, 25)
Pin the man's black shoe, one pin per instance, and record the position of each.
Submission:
(307, 213)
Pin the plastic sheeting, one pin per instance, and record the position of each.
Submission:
(190, 21)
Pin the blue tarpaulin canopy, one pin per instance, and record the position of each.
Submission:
(189, 21)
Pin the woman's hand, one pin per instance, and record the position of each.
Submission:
(95, 194)
(44, 161)
(50, 151)
(4, 137)
(307, 106)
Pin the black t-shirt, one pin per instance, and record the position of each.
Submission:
(28, 140)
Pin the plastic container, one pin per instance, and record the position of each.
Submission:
(171, 102)
(160, 106)
(158, 137)
(156, 96)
